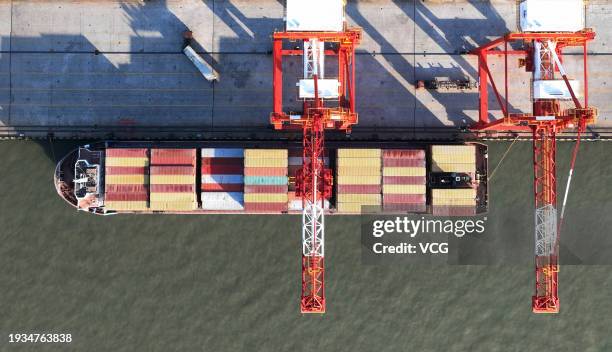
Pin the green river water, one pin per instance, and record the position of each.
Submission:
(231, 283)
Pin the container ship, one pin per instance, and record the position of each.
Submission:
(199, 178)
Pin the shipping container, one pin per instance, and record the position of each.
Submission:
(126, 196)
(126, 206)
(265, 171)
(172, 170)
(129, 162)
(263, 162)
(265, 180)
(172, 179)
(363, 189)
(404, 198)
(266, 189)
(365, 199)
(221, 169)
(126, 153)
(222, 153)
(126, 170)
(404, 171)
(222, 187)
(127, 179)
(404, 180)
(265, 207)
(266, 154)
(404, 189)
(173, 156)
(359, 153)
(404, 153)
(357, 208)
(223, 179)
(359, 162)
(358, 171)
(358, 180)
(395, 162)
(265, 197)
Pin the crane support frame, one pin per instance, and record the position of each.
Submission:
(313, 180)
(543, 56)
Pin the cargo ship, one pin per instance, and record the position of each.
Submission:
(200, 178)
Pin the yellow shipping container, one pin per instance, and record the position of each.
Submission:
(358, 180)
(453, 202)
(172, 179)
(126, 205)
(369, 199)
(265, 197)
(272, 162)
(359, 153)
(404, 189)
(131, 162)
(356, 208)
(126, 179)
(404, 171)
(454, 158)
(457, 193)
(172, 197)
(174, 206)
(453, 167)
(358, 171)
(452, 149)
(266, 154)
(362, 162)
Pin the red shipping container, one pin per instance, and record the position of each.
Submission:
(173, 156)
(265, 207)
(226, 187)
(126, 152)
(404, 180)
(396, 162)
(359, 189)
(265, 171)
(453, 210)
(126, 197)
(404, 153)
(407, 208)
(172, 170)
(222, 169)
(266, 189)
(403, 198)
(125, 170)
(172, 188)
(126, 189)
(222, 161)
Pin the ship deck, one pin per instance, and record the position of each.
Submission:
(114, 69)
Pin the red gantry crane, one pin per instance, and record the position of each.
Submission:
(544, 39)
(326, 104)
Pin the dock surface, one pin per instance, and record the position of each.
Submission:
(115, 68)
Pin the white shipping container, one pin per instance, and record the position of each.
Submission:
(222, 153)
(551, 15)
(328, 88)
(222, 200)
(296, 204)
(222, 179)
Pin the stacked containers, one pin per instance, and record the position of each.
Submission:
(295, 164)
(460, 159)
(222, 179)
(358, 180)
(454, 202)
(265, 180)
(126, 179)
(404, 180)
(173, 179)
